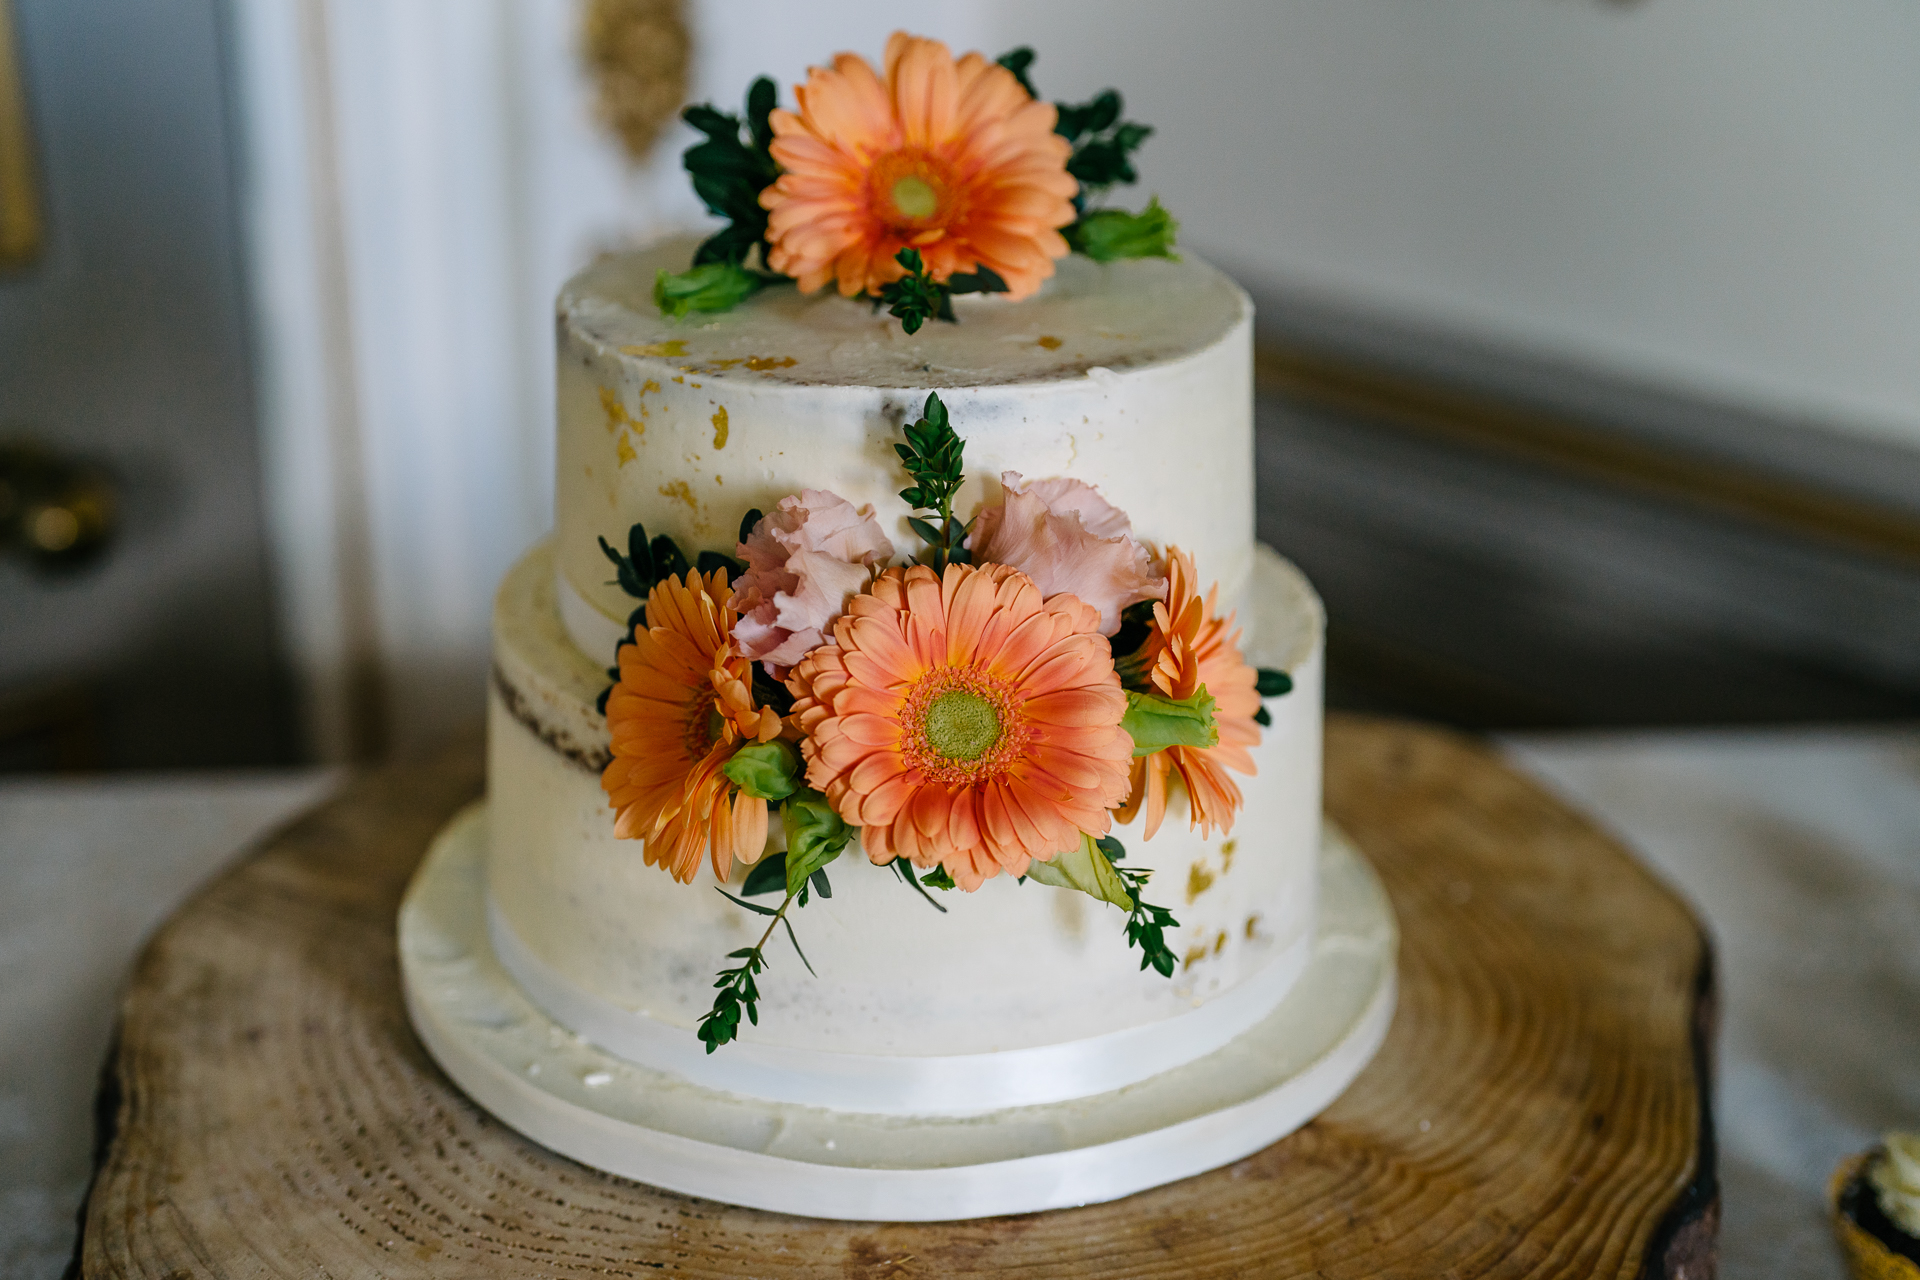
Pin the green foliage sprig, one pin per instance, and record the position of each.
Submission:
(730, 172)
(1103, 147)
(932, 455)
(915, 298)
(816, 835)
(1147, 924)
(736, 992)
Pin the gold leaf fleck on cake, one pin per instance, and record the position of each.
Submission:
(649, 385)
(717, 479)
(1194, 956)
(760, 364)
(1253, 926)
(1226, 855)
(624, 448)
(1050, 342)
(680, 491)
(1220, 943)
(1199, 880)
(670, 348)
(720, 427)
(617, 415)
(680, 378)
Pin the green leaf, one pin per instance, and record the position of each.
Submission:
(937, 879)
(982, 279)
(754, 907)
(1017, 61)
(1147, 926)
(815, 836)
(715, 286)
(1156, 723)
(748, 521)
(1111, 235)
(1270, 683)
(765, 770)
(1112, 847)
(708, 561)
(1084, 867)
(933, 455)
(1263, 717)
(903, 870)
(769, 875)
(915, 298)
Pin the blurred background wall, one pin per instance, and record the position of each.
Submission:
(1588, 395)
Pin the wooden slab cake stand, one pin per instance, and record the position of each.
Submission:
(1539, 1107)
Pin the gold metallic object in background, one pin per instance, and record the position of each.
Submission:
(20, 229)
(57, 510)
(638, 51)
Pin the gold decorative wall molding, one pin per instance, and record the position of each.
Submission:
(638, 52)
(21, 229)
(1439, 410)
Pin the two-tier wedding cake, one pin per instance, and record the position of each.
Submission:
(904, 766)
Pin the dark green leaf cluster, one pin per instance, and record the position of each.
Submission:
(729, 173)
(932, 455)
(648, 562)
(915, 298)
(645, 562)
(1017, 61)
(1147, 925)
(1103, 144)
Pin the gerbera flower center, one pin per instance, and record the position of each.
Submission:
(912, 192)
(705, 725)
(961, 725)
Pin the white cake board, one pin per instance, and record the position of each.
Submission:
(584, 1103)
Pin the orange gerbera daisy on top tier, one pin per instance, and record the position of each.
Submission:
(951, 158)
(683, 706)
(1189, 646)
(961, 721)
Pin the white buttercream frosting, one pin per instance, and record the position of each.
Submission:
(1896, 1180)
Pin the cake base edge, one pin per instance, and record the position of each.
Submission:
(564, 1093)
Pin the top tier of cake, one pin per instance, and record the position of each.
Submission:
(1134, 377)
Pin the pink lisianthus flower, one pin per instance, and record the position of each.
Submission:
(1067, 538)
(804, 559)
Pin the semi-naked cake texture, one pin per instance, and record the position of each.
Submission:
(1134, 377)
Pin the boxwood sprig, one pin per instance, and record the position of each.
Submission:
(933, 454)
(1147, 924)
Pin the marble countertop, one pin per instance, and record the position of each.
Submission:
(1801, 849)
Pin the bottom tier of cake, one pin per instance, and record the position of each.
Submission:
(942, 1003)
(562, 1091)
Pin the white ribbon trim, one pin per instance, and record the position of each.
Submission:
(592, 632)
(962, 1084)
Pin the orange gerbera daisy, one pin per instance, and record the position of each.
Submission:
(951, 158)
(682, 707)
(963, 722)
(1189, 646)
